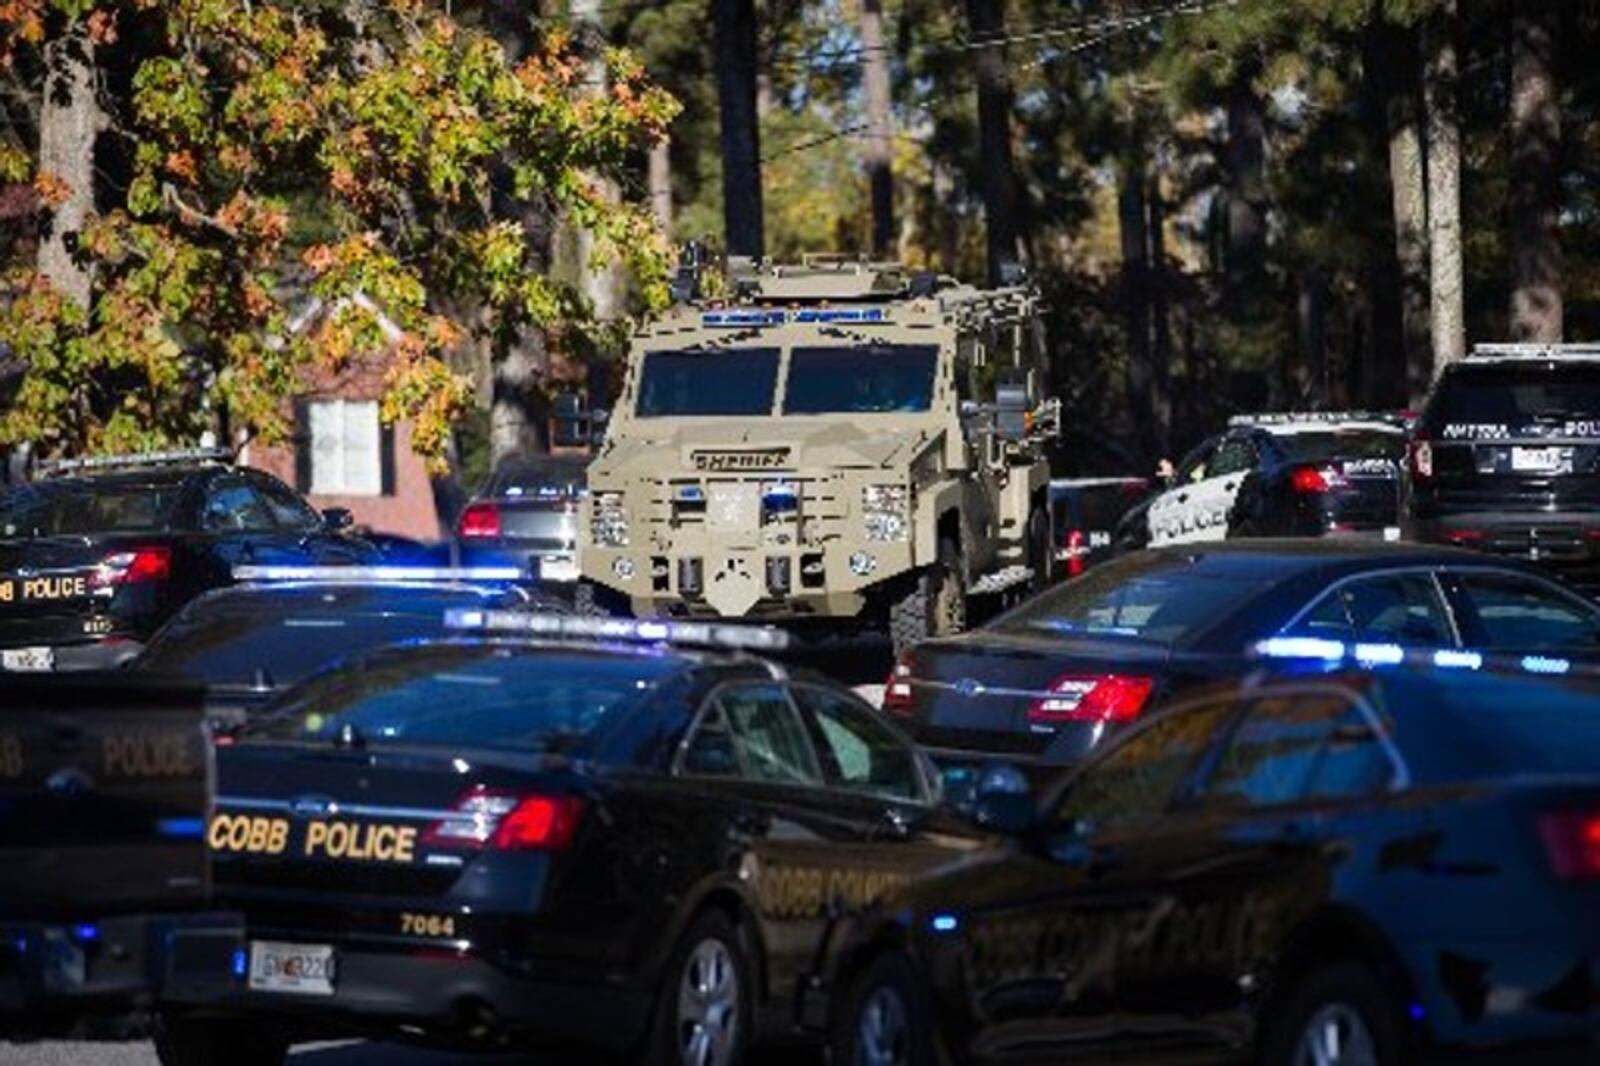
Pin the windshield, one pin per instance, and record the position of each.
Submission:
(1164, 606)
(1350, 444)
(66, 509)
(739, 381)
(1514, 397)
(863, 379)
(468, 696)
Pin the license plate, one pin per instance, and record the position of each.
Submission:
(1541, 460)
(28, 660)
(297, 969)
(556, 568)
(1391, 533)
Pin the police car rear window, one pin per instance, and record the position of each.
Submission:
(70, 509)
(532, 480)
(739, 381)
(467, 696)
(1485, 402)
(1349, 445)
(1165, 606)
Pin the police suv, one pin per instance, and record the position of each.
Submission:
(97, 553)
(1280, 475)
(1506, 457)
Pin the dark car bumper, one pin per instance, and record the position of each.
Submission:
(444, 996)
(96, 976)
(1566, 545)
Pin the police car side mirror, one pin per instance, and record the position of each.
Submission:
(1005, 802)
(337, 518)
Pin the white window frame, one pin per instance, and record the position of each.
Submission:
(345, 438)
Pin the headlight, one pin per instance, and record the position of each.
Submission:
(609, 524)
(886, 512)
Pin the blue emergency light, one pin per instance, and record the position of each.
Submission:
(854, 316)
(743, 319)
(1368, 655)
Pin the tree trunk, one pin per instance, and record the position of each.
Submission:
(70, 121)
(660, 179)
(1393, 69)
(880, 128)
(600, 283)
(1245, 160)
(734, 44)
(986, 20)
(1444, 188)
(1132, 220)
(1536, 298)
(1312, 319)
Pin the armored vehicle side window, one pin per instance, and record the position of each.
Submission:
(866, 755)
(1135, 782)
(769, 736)
(738, 381)
(865, 379)
(1514, 612)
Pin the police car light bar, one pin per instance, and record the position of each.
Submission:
(1370, 655)
(625, 630)
(137, 459)
(1289, 418)
(1536, 351)
(378, 575)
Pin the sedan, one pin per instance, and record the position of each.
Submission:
(1048, 682)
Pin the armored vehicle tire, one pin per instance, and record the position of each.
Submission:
(934, 605)
(184, 1041)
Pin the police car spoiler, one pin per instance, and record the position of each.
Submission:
(618, 630)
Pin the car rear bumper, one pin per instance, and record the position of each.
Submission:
(447, 997)
(95, 975)
(1568, 545)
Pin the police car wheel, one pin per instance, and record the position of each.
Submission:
(217, 1042)
(1336, 1016)
(885, 1020)
(704, 1015)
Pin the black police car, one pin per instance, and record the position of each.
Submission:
(1280, 475)
(1506, 457)
(527, 516)
(251, 641)
(623, 846)
(100, 552)
(1085, 514)
(1376, 866)
(1053, 678)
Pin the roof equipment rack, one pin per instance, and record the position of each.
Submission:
(135, 460)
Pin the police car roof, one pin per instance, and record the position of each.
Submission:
(1276, 557)
(397, 597)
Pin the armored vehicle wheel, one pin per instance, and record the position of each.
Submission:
(934, 605)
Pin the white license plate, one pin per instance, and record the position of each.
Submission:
(28, 660)
(298, 969)
(557, 568)
(1541, 460)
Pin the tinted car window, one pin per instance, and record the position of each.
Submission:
(68, 508)
(1403, 608)
(865, 754)
(1296, 746)
(769, 736)
(533, 478)
(865, 380)
(1164, 605)
(1513, 612)
(466, 696)
(288, 510)
(741, 381)
(1354, 445)
(1234, 457)
(233, 505)
(1135, 782)
(1515, 396)
(711, 751)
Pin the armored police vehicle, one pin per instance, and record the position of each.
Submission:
(838, 442)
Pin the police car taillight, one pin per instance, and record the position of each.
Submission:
(508, 821)
(481, 520)
(1572, 841)
(1077, 552)
(897, 695)
(1111, 698)
(132, 568)
(1314, 481)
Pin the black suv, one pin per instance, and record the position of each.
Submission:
(98, 553)
(1506, 457)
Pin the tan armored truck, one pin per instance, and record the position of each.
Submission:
(836, 442)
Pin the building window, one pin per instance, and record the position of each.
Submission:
(346, 448)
